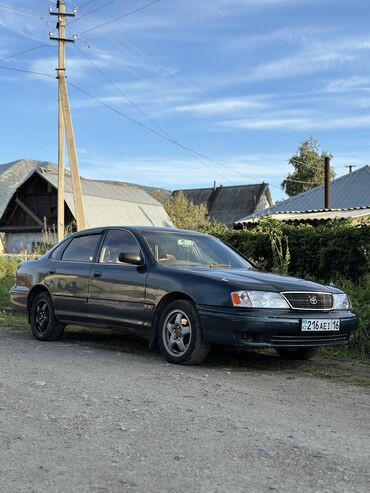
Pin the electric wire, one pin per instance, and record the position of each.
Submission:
(27, 71)
(152, 130)
(21, 52)
(140, 52)
(17, 10)
(138, 108)
(120, 17)
(86, 3)
(161, 129)
(92, 11)
(164, 68)
(132, 120)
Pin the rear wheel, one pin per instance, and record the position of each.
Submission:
(180, 335)
(297, 353)
(44, 325)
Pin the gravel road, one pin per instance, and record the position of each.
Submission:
(79, 416)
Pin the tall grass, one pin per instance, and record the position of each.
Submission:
(8, 266)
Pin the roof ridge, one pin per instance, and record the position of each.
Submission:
(222, 187)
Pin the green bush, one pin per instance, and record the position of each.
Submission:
(359, 294)
(337, 250)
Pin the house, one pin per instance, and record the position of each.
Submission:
(227, 204)
(349, 198)
(28, 201)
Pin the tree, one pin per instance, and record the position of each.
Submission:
(308, 166)
(186, 215)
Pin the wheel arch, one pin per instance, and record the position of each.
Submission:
(165, 301)
(37, 289)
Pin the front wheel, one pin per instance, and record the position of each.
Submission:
(180, 335)
(297, 353)
(44, 325)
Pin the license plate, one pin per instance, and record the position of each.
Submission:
(320, 325)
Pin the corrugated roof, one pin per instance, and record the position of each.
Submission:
(12, 175)
(348, 191)
(226, 204)
(105, 203)
(316, 215)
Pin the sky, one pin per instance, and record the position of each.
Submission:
(232, 87)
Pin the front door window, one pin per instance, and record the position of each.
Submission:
(116, 242)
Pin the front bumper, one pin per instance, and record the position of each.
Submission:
(261, 328)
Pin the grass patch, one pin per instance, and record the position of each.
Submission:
(9, 318)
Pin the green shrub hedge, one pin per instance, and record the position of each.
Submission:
(337, 250)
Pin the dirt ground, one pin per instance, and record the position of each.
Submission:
(99, 412)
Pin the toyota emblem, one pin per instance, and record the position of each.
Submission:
(313, 300)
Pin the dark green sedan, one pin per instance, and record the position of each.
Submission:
(182, 289)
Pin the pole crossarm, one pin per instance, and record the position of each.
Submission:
(64, 40)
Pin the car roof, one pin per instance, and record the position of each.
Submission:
(138, 229)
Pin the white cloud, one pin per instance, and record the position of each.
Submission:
(182, 173)
(330, 122)
(219, 107)
(349, 84)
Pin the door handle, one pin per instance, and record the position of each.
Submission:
(97, 273)
(52, 271)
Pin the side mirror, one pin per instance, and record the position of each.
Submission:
(130, 258)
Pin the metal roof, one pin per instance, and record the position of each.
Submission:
(226, 204)
(357, 213)
(105, 203)
(346, 192)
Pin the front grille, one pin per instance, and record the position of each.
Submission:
(311, 340)
(309, 301)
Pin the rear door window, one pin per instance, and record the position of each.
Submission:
(81, 249)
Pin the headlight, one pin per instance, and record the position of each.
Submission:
(341, 302)
(258, 299)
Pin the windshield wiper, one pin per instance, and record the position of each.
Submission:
(215, 266)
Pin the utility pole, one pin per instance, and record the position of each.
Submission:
(350, 167)
(65, 128)
(327, 182)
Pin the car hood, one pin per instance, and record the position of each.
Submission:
(254, 279)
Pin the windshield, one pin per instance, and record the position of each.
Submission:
(190, 250)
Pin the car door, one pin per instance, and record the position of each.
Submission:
(68, 277)
(116, 289)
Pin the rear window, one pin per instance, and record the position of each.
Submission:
(81, 249)
(58, 250)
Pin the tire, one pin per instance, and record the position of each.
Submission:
(304, 353)
(180, 336)
(44, 325)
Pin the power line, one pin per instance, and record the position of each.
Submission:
(120, 17)
(163, 131)
(86, 3)
(132, 120)
(92, 11)
(27, 71)
(152, 130)
(159, 65)
(189, 150)
(17, 10)
(22, 52)
(163, 67)
(156, 86)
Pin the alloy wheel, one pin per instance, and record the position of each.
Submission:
(177, 333)
(42, 316)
